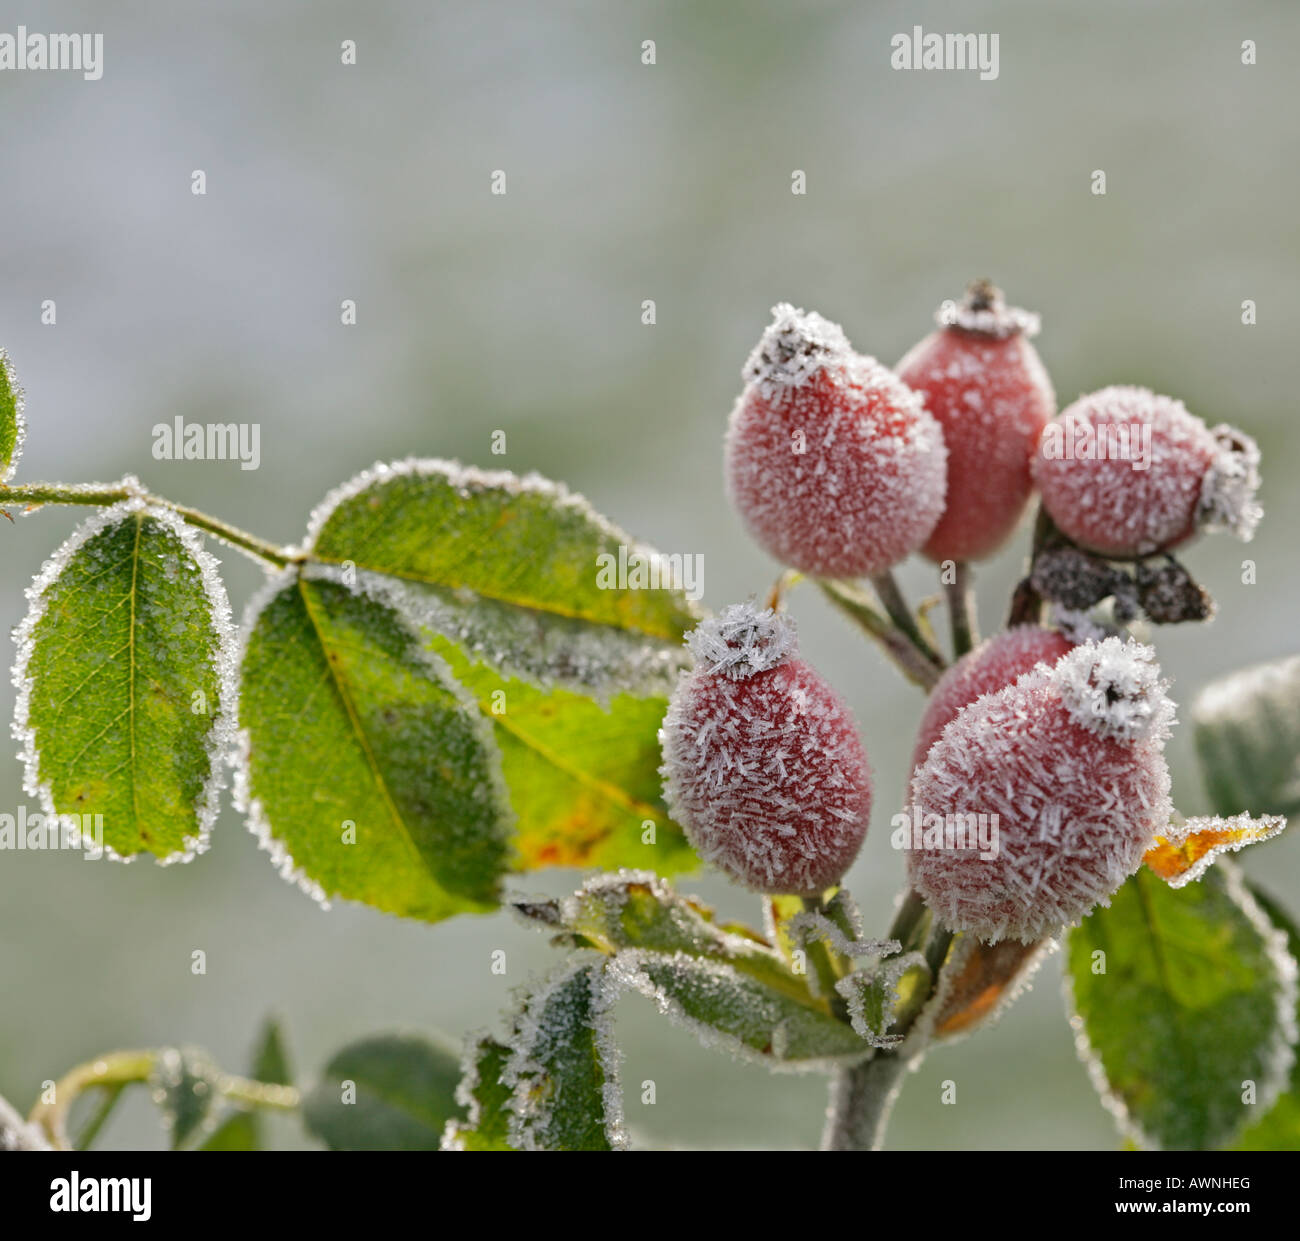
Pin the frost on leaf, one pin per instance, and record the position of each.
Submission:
(1188, 849)
(412, 816)
(13, 427)
(1227, 500)
(126, 685)
(1177, 997)
(563, 1067)
(518, 570)
(979, 983)
(879, 999)
(794, 347)
(734, 1012)
(485, 1098)
(839, 925)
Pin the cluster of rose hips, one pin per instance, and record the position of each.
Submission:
(842, 468)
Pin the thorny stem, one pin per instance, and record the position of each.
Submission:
(886, 587)
(122, 1068)
(913, 664)
(961, 610)
(35, 495)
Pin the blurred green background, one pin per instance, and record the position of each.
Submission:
(522, 313)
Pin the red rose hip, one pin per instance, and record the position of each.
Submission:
(1125, 472)
(983, 380)
(994, 664)
(1068, 765)
(831, 461)
(762, 764)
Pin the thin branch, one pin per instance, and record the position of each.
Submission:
(862, 611)
(887, 588)
(961, 609)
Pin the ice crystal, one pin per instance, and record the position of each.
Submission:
(873, 999)
(1226, 835)
(1227, 500)
(743, 639)
(1114, 688)
(794, 347)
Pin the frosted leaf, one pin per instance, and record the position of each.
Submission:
(599, 661)
(13, 426)
(984, 311)
(1074, 579)
(841, 915)
(563, 1070)
(743, 639)
(483, 1095)
(1168, 1052)
(794, 347)
(877, 997)
(1187, 849)
(1114, 689)
(16, 1134)
(166, 632)
(414, 818)
(1227, 500)
(733, 1012)
(1169, 595)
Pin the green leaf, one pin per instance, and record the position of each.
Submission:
(637, 909)
(124, 706)
(486, 1097)
(583, 777)
(389, 1092)
(184, 1083)
(271, 1061)
(562, 1070)
(12, 427)
(368, 774)
(1278, 1129)
(1197, 999)
(736, 1012)
(525, 543)
(1248, 738)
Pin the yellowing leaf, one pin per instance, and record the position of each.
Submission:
(1186, 854)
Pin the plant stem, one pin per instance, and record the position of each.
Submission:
(887, 588)
(101, 495)
(913, 664)
(108, 1100)
(961, 610)
(863, 1095)
(122, 1068)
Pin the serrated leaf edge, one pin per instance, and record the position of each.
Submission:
(20, 420)
(220, 740)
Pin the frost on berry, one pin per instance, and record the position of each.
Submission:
(1070, 761)
(832, 461)
(1126, 472)
(16, 1134)
(796, 345)
(983, 381)
(995, 663)
(762, 765)
(1227, 500)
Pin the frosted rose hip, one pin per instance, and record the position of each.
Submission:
(994, 664)
(984, 382)
(1126, 472)
(1071, 761)
(831, 460)
(762, 765)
